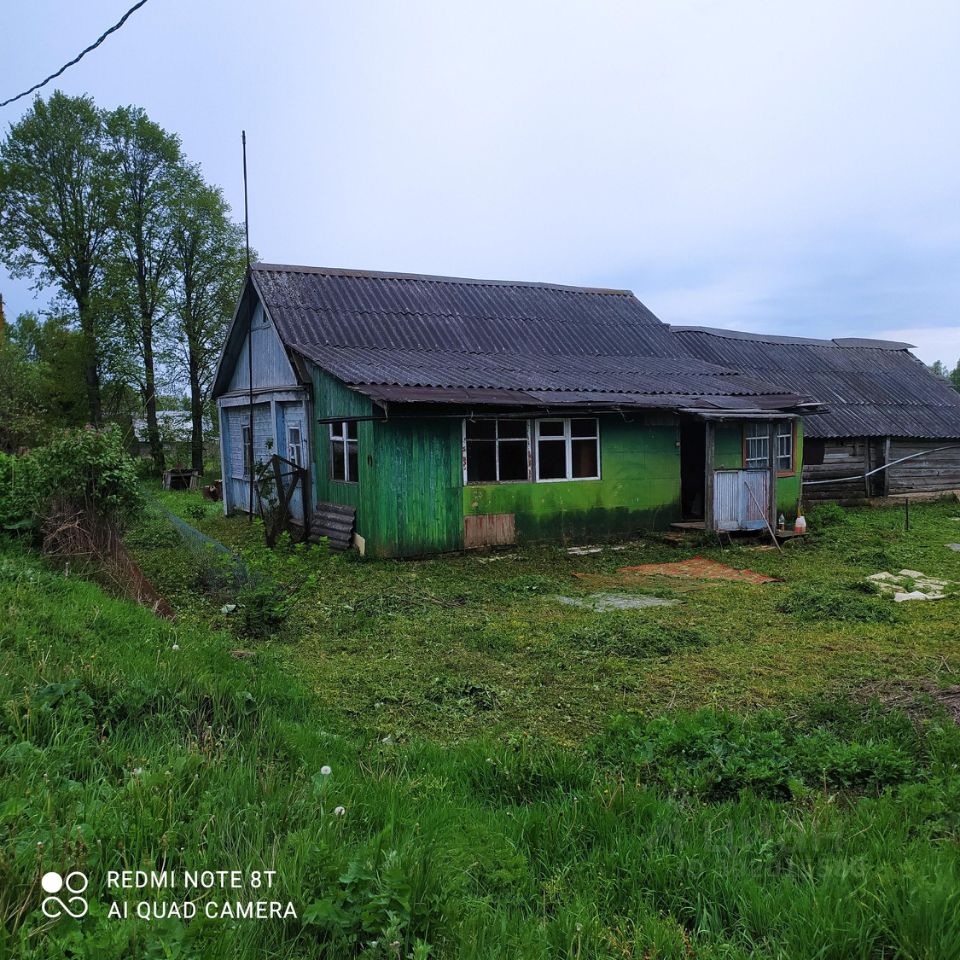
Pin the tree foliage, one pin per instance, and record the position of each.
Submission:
(103, 206)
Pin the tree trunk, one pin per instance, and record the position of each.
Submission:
(91, 372)
(150, 397)
(196, 414)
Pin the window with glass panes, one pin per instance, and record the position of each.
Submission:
(756, 440)
(343, 452)
(498, 451)
(568, 449)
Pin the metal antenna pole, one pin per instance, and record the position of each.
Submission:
(246, 229)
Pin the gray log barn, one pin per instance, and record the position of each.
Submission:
(883, 406)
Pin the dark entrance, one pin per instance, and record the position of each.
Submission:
(693, 463)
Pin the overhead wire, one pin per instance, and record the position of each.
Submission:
(93, 46)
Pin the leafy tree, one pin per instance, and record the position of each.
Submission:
(147, 161)
(57, 211)
(955, 376)
(21, 410)
(55, 350)
(938, 368)
(210, 262)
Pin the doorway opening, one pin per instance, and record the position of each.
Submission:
(693, 464)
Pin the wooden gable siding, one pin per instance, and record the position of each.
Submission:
(271, 366)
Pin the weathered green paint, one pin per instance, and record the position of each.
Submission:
(331, 398)
(639, 489)
(417, 509)
(411, 498)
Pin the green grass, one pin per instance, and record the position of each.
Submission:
(375, 639)
(493, 806)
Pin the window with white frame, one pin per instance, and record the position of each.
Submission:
(757, 446)
(785, 447)
(245, 439)
(295, 445)
(343, 452)
(568, 449)
(497, 451)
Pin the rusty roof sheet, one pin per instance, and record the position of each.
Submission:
(871, 388)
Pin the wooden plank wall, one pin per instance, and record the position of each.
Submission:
(841, 458)
(929, 473)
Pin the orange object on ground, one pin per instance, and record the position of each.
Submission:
(698, 568)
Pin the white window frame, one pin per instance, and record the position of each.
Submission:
(246, 438)
(496, 441)
(567, 440)
(295, 448)
(785, 432)
(344, 436)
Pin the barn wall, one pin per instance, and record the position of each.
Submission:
(925, 474)
(843, 457)
(639, 489)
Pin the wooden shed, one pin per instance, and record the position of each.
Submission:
(890, 426)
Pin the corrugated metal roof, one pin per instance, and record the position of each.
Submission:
(872, 388)
(416, 334)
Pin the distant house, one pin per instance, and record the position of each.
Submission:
(435, 413)
(883, 406)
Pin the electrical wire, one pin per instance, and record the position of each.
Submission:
(93, 46)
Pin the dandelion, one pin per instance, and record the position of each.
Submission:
(325, 770)
(176, 646)
(137, 772)
(339, 811)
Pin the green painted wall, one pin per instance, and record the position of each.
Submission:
(639, 489)
(418, 509)
(331, 398)
(411, 499)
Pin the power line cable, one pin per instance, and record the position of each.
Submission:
(93, 46)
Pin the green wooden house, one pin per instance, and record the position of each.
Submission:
(436, 414)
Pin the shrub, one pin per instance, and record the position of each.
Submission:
(87, 469)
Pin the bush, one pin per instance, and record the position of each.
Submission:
(88, 469)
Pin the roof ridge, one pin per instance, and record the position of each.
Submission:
(844, 343)
(434, 278)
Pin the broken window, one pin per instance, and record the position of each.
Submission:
(343, 451)
(568, 449)
(497, 451)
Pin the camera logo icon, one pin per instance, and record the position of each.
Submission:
(74, 883)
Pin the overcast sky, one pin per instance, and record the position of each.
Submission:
(792, 168)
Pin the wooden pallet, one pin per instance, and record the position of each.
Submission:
(334, 521)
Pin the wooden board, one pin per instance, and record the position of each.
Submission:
(489, 530)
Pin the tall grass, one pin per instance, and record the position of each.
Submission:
(130, 743)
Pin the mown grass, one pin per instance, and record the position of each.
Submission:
(127, 742)
(381, 641)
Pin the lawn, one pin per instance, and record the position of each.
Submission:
(755, 771)
(460, 645)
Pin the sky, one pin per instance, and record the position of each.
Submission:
(751, 164)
